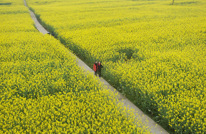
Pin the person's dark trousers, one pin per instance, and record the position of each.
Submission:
(99, 72)
(95, 73)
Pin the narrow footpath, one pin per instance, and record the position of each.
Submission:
(152, 125)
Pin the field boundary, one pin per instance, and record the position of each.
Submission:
(151, 124)
(38, 26)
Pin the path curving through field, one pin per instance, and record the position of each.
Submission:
(152, 125)
(38, 26)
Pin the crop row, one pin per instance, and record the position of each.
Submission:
(152, 51)
(42, 90)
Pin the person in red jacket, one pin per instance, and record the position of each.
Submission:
(95, 68)
(99, 66)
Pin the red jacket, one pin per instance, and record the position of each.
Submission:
(95, 67)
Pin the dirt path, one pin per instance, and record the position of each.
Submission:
(36, 22)
(155, 128)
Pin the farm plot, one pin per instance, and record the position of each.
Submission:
(153, 51)
(42, 90)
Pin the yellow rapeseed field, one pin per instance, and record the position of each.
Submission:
(42, 90)
(153, 51)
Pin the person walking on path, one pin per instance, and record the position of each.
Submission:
(95, 67)
(99, 66)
